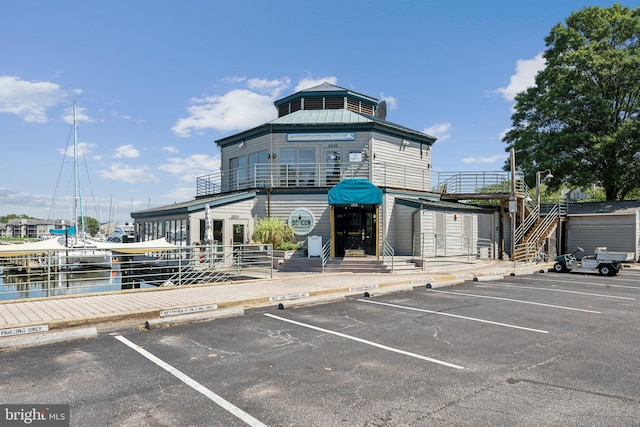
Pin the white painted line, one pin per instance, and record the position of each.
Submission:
(384, 347)
(561, 290)
(517, 300)
(234, 410)
(455, 315)
(606, 285)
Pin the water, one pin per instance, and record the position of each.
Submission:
(21, 286)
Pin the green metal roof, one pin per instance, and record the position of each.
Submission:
(325, 117)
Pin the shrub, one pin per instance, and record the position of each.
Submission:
(274, 231)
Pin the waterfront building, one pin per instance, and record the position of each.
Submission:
(337, 170)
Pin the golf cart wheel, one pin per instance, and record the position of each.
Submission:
(607, 270)
(559, 267)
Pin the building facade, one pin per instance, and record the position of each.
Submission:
(334, 167)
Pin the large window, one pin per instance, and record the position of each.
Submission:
(297, 166)
(237, 173)
(258, 169)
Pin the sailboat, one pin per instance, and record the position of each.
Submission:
(80, 252)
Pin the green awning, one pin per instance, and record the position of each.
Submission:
(355, 191)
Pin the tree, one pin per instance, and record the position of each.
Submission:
(91, 225)
(580, 119)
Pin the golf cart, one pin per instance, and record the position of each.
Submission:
(603, 262)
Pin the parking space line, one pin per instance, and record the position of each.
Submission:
(454, 315)
(234, 410)
(558, 290)
(371, 343)
(518, 301)
(606, 285)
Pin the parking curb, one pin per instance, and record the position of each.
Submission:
(37, 339)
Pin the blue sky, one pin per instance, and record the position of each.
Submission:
(157, 82)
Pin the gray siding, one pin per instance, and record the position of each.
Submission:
(283, 204)
(617, 233)
(403, 229)
(400, 166)
(234, 213)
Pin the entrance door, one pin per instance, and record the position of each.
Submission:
(355, 229)
(238, 234)
(332, 166)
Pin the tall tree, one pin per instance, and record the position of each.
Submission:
(580, 119)
(91, 225)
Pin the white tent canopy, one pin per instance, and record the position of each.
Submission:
(31, 248)
(158, 245)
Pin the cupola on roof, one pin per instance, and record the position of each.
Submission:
(326, 97)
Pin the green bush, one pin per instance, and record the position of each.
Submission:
(274, 231)
(288, 246)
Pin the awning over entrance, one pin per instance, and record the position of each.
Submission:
(355, 191)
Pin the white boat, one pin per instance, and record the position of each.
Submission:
(124, 233)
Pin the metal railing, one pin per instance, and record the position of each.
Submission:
(476, 182)
(435, 245)
(388, 254)
(55, 273)
(293, 175)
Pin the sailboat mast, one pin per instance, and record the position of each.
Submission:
(77, 198)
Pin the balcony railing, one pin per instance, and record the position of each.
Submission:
(476, 182)
(295, 175)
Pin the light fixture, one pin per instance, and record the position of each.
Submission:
(405, 142)
(548, 176)
(241, 145)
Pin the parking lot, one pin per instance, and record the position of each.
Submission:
(543, 349)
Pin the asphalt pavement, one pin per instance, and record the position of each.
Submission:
(37, 321)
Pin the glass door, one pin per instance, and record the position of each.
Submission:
(332, 158)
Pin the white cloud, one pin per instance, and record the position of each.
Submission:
(238, 109)
(10, 197)
(439, 130)
(120, 172)
(28, 100)
(272, 87)
(180, 193)
(191, 167)
(126, 151)
(526, 70)
(311, 82)
(392, 103)
(84, 148)
(170, 149)
(81, 115)
(491, 159)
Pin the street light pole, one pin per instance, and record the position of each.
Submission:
(548, 172)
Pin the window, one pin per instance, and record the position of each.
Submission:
(297, 166)
(237, 173)
(258, 169)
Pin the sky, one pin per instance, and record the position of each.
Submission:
(158, 82)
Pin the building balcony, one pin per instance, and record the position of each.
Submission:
(388, 175)
(305, 175)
